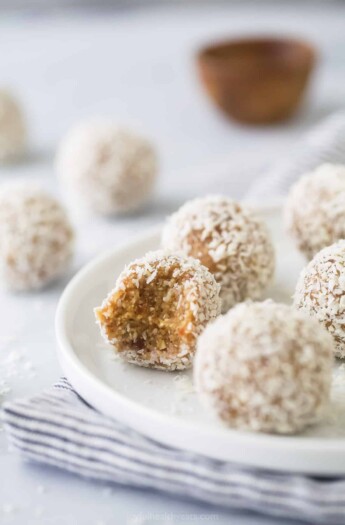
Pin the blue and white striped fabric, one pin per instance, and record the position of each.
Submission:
(57, 427)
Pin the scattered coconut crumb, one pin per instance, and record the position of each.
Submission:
(184, 384)
(14, 365)
(4, 388)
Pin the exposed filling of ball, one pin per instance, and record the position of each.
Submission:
(152, 316)
(157, 310)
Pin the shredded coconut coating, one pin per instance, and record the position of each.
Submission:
(315, 209)
(36, 238)
(106, 168)
(230, 240)
(183, 297)
(12, 128)
(320, 292)
(264, 367)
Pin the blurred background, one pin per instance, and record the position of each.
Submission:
(134, 61)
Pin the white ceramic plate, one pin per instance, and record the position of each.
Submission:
(163, 405)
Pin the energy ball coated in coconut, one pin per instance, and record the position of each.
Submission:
(315, 209)
(320, 292)
(159, 306)
(106, 168)
(230, 240)
(264, 367)
(36, 238)
(12, 128)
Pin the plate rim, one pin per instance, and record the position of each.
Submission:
(91, 387)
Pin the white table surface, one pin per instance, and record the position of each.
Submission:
(137, 66)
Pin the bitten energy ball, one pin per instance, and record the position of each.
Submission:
(159, 306)
(264, 367)
(315, 209)
(36, 238)
(229, 240)
(320, 292)
(12, 128)
(106, 168)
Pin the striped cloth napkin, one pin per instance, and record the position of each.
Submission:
(57, 427)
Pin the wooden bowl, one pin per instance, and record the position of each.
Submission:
(257, 80)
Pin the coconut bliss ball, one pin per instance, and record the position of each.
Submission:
(264, 367)
(320, 292)
(158, 308)
(230, 240)
(315, 209)
(36, 238)
(106, 168)
(12, 128)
